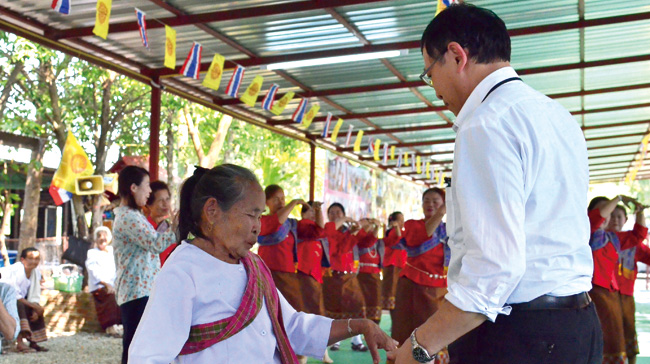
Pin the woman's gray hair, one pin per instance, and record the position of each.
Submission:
(226, 183)
(103, 229)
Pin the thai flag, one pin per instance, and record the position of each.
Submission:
(62, 6)
(371, 145)
(142, 23)
(385, 154)
(235, 81)
(59, 195)
(349, 137)
(192, 65)
(269, 99)
(326, 130)
(300, 111)
(399, 160)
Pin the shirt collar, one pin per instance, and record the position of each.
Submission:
(476, 97)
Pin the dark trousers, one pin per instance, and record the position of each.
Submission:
(534, 337)
(131, 314)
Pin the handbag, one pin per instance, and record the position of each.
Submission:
(77, 251)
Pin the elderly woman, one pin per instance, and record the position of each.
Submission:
(101, 279)
(215, 301)
(137, 246)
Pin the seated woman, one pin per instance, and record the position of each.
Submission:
(215, 301)
(101, 280)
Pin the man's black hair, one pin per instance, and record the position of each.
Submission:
(476, 29)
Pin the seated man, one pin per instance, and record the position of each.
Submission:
(9, 321)
(19, 276)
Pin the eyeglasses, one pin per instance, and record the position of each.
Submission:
(425, 75)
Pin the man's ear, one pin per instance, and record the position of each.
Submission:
(458, 55)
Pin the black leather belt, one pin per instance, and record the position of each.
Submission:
(577, 301)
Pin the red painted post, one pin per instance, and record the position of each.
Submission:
(154, 137)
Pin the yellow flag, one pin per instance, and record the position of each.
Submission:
(406, 159)
(377, 146)
(444, 4)
(418, 164)
(392, 152)
(170, 47)
(335, 133)
(250, 96)
(101, 18)
(309, 116)
(428, 170)
(357, 142)
(278, 107)
(74, 163)
(213, 78)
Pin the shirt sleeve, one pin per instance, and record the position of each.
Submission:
(642, 254)
(366, 240)
(595, 220)
(308, 333)
(391, 238)
(308, 230)
(490, 208)
(415, 232)
(632, 238)
(270, 224)
(10, 302)
(165, 324)
(140, 232)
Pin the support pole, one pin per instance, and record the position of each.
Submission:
(154, 137)
(312, 171)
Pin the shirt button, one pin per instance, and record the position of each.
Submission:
(263, 332)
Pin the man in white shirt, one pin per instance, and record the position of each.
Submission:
(516, 210)
(20, 276)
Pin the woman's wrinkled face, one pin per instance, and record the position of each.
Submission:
(431, 202)
(335, 213)
(239, 227)
(617, 220)
(141, 192)
(102, 241)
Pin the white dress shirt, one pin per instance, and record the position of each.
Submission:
(101, 268)
(14, 275)
(195, 288)
(517, 209)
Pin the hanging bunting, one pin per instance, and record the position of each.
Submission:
(392, 152)
(406, 159)
(399, 160)
(444, 4)
(213, 78)
(371, 145)
(279, 107)
(357, 142)
(326, 129)
(192, 65)
(377, 149)
(170, 47)
(234, 84)
(428, 169)
(142, 24)
(335, 132)
(348, 139)
(311, 114)
(385, 154)
(269, 99)
(102, 17)
(62, 6)
(250, 96)
(300, 111)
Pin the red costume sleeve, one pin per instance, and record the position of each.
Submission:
(365, 239)
(595, 220)
(392, 239)
(642, 254)
(270, 224)
(630, 239)
(415, 232)
(308, 230)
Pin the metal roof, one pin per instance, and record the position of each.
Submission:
(592, 56)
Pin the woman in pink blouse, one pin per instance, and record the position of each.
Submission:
(136, 247)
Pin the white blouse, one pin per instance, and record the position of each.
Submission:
(195, 288)
(101, 267)
(14, 275)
